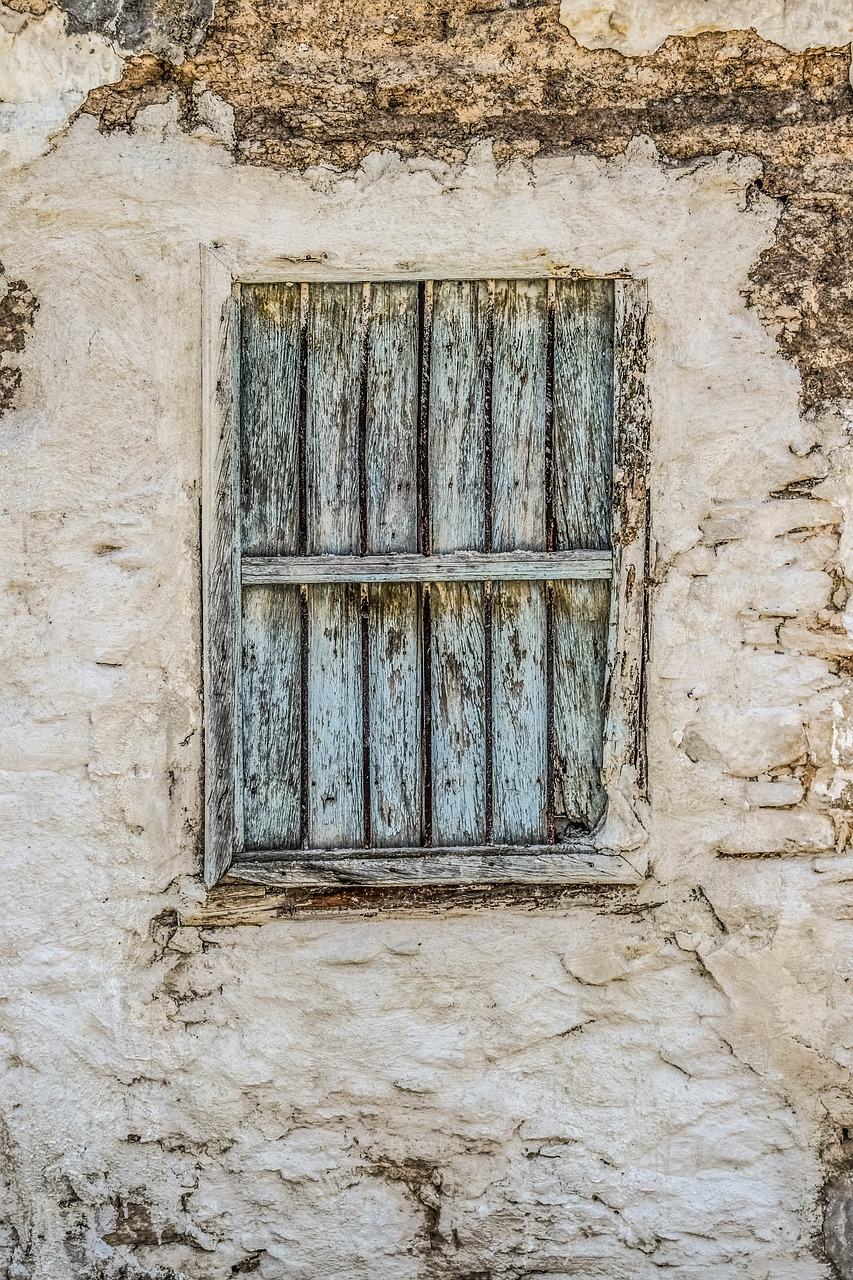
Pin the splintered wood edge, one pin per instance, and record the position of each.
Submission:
(242, 899)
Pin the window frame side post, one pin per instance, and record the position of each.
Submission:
(623, 771)
(220, 560)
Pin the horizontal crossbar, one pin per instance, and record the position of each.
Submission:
(489, 864)
(455, 566)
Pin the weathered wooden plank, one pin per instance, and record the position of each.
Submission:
(458, 714)
(395, 716)
(269, 449)
(335, 777)
(625, 731)
(335, 764)
(488, 864)
(269, 419)
(519, 713)
(335, 320)
(581, 618)
(583, 469)
(391, 420)
(392, 526)
(239, 903)
(394, 650)
(457, 506)
(519, 694)
(459, 566)
(518, 415)
(272, 747)
(220, 565)
(583, 413)
(580, 844)
(457, 415)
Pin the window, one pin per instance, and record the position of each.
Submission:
(424, 539)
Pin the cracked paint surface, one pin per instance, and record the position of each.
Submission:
(609, 1088)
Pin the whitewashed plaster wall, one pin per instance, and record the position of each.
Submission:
(605, 1092)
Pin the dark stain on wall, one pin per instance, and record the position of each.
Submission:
(838, 1225)
(172, 27)
(836, 1244)
(326, 83)
(18, 307)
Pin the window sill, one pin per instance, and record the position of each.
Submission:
(393, 868)
(257, 892)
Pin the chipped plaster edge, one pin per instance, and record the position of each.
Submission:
(46, 75)
(636, 28)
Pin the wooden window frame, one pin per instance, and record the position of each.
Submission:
(583, 862)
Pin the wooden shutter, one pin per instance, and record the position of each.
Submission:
(424, 486)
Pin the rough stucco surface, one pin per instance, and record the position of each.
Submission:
(611, 1089)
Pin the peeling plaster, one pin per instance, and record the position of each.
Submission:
(637, 27)
(311, 90)
(17, 312)
(46, 74)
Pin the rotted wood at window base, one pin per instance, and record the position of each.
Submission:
(359, 879)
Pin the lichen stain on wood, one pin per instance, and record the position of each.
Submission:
(322, 85)
(18, 307)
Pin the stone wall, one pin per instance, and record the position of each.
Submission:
(604, 1085)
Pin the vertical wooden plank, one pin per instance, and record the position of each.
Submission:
(269, 401)
(269, 419)
(457, 415)
(457, 504)
(335, 783)
(335, 779)
(394, 661)
(391, 419)
(271, 666)
(271, 717)
(518, 415)
(519, 695)
(583, 469)
(520, 713)
(458, 714)
(583, 413)
(625, 731)
(335, 315)
(220, 564)
(581, 616)
(395, 717)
